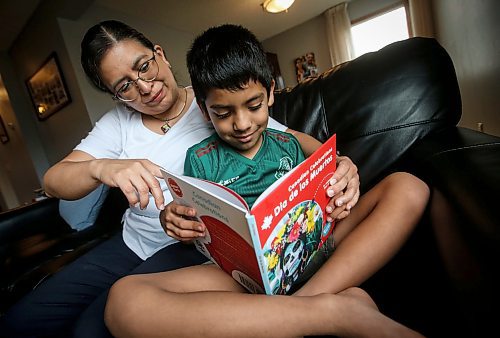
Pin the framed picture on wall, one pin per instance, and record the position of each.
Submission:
(47, 88)
(4, 137)
(305, 67)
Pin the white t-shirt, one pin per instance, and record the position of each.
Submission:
(120, 134)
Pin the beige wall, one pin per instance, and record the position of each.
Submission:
(17, 173)
(19, 155)
(39, 39)
(470, 32)
(307, 37)
(43, 142)
(174, 42)
(311, 36)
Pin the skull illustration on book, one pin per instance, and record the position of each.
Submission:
(293, 259)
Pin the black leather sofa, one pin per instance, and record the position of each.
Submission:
(396, 109)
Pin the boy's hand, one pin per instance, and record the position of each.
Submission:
(179, 222)
(344, 189)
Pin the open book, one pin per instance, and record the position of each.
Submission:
(265, 248)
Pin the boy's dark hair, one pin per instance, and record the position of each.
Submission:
(97, 42)
(226, 57)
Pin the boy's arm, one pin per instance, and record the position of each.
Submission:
(344, 185)
(308, 143)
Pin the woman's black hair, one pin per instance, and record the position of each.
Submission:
(97, 42)
(227, 57)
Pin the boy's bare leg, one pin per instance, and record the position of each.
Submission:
(371, 235)
(171, 304)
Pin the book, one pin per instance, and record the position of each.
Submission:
(267, 247)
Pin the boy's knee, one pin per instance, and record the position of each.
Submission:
(360, 295)
(120, 304)
(411, 188)
(355, 292)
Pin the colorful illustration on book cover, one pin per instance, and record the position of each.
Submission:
(289, 248)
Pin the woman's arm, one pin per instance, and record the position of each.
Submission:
(80, 173)
(71, 177)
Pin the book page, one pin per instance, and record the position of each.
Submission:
(211, 188)
(228, 241)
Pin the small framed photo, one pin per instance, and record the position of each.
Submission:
(4, 137)
(305, 67)
(47, 88)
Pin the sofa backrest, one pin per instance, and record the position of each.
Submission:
(379, 104)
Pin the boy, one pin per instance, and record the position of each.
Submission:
(234, 88)
(243, 154)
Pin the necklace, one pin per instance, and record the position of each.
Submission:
(166, 126)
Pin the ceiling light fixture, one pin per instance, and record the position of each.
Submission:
(276, 6)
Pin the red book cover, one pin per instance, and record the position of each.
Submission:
(265, 248)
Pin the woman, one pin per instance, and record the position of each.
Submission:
(152, 125)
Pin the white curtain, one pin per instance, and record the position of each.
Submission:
(338, 32)
(421, 18)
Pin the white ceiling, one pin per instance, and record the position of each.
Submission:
(187, 15)
(197, 15)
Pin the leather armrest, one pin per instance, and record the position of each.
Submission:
(462, 167)
(42, 216)
(465, 166)
(35, 242)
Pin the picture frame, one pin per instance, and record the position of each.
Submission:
(47, 88)
(305, 67)
(4, 137)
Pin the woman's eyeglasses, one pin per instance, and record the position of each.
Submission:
(148, 72)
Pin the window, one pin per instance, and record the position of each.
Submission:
(378, 30)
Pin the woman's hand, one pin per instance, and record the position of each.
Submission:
(80, 173)
(135, 178)
(344, 189)
(179, 222)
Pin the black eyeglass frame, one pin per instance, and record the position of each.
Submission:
(134, 82)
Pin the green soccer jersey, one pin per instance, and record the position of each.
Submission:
(214, 160)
